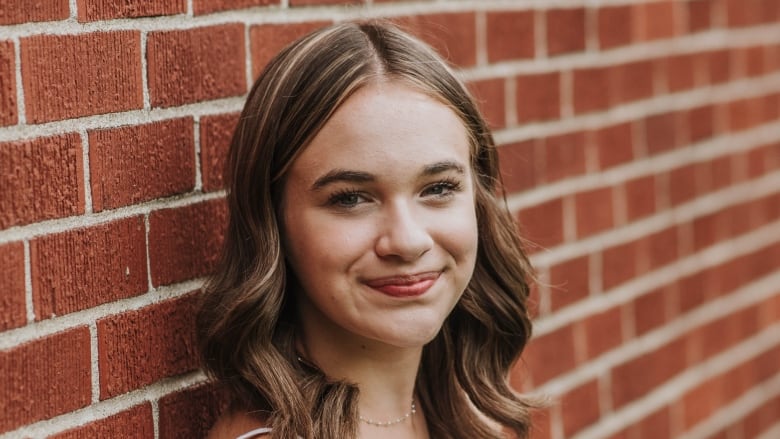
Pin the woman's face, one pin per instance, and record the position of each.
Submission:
(379, 219)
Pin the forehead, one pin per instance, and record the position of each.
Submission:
(385, 128)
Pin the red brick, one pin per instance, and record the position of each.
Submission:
(680, 72)
(191, 412)
(569, 282)
(216, 133)
(699, 15)
(491, 98)
(453, 35)
(541, 424)
(719, 63)
(743, 12)
(8, 110)
(510, 35)
(615, 145)
(603, 332)
(59, 84)
(708, 229)
(745, 113)
(538, 97)
(641, 375)
(693, 291)
(543, 223)
(661, 247)
(322, 2)
(41, 179)
(45, 378)
(594, 211)
(550, 355)
(93, 10)
(580, 407)
(267, 40)
(619, 264)
(640, 197)
(200, 7)
(140, 347)
(589, 89)
(616, 26)
(194, 65)
(139, 163)
(682, 184)
(655, 19)
(565, 156)
(565, 30)
(518, 166)
(82, 268)
(12, 303)
(754, 60)
(185, 242)
(650, 309)
(763, 418)
(25, 11)
(661, 132)
(136, 421)
(657, 424)
(630, 82)
(700, 123)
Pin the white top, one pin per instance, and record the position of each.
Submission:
(255, 432)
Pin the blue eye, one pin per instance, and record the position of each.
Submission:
(442, 188)
(346, 199)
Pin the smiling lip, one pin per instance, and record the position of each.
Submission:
(405, 285)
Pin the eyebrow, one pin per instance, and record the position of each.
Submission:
(346, 175)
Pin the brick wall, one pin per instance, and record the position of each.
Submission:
(641, 150)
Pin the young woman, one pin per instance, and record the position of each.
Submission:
(372, 284)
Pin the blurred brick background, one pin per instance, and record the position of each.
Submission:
(641, 153)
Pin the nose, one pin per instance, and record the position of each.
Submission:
(403, 234)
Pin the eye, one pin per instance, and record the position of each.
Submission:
(441, 188)
(346, 199)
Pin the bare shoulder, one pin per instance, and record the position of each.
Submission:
(233, 424)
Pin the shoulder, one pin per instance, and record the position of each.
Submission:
(233, 424)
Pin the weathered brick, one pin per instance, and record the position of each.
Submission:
(517, 162)
(92, 10)
(194, 65)
(616, 26)
(630, 82)
(543, 223)
(82, 268)
(589, 87)
(491, 98)
(45, 378)
(550, 355)
(25, 11)
(215, 135)
(453, 35)
(619, 264)
(268, 39)
(41, 179)
(136, 421)
(8, 110)
(538, 97)
(565, 30)
(59, 84)
(207, 6)
(185, 242)
(569, 282)
(191, 412)
(140, 163)
(594, 211)
(580, 407)
(602, 332)
(655, 19)
(653, 367)
(661, 132)
(615, 145)
(510, 35)
(640, 197)
(565, 156)
(140, 347)
(12, 303)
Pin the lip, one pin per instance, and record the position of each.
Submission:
(405, 285)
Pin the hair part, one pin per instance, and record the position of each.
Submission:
(246, 324)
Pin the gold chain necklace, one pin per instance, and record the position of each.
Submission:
(390, 423)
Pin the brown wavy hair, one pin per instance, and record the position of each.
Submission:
(247, 321)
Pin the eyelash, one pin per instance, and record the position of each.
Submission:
(449, 185)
